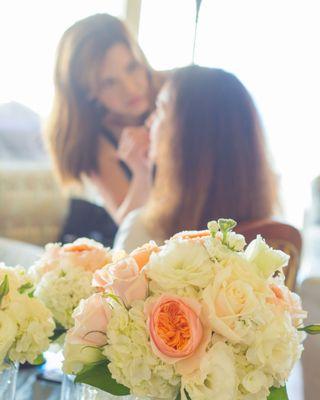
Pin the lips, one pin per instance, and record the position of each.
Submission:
(134, 101)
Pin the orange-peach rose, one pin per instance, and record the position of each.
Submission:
(192, 235)
(177, 333)
(142, 254)
(287, 301)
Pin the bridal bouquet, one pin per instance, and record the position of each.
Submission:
(25, 323)
(198, 318)
(63, 276)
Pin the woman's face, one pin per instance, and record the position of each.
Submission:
(160, 122)
(123, 86)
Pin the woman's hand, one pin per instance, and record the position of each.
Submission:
(134, 148)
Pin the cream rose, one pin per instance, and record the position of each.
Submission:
(76, 356)
(230, 303)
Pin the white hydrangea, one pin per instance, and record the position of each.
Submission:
(216, 378)
(179, 266)
(25, 323)
(276, 348)
(253, 383)
(132, 362)
(35, 326)
(61, 291)
(8, 333)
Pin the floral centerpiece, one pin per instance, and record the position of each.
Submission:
(198, 318)
(63, 277)
(25, 323)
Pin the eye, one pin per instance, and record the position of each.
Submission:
(133, 66)
(108, 83)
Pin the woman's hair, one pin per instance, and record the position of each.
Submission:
(214, 162)
(75, 122)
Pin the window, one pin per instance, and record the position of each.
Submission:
(272, 46)
(29, 34)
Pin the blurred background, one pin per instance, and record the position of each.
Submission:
(270, 45)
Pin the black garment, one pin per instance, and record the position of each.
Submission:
(86, 219)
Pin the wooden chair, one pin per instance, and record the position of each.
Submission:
(280, 236)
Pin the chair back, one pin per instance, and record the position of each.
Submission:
(280, 236)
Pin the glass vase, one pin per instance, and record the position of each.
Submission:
(8, 382)
(80, 391)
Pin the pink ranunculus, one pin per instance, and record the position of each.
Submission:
(124, 279)
(178, 331)
(91, 320)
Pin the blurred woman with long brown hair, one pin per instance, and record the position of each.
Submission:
(210, 158)
(104, 90)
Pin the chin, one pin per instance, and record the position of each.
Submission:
(138, 111)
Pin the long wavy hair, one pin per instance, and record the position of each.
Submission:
(214, 163)
(75, 121)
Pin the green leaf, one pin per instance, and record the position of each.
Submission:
(226, 225)
(112, 296)
(22, 289)
(311, 329)
(39, 360)
(99, 376)
(278, 394)
(4, 288)
(178, 396)
(187, 394)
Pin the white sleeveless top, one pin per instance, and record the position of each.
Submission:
(132, 233)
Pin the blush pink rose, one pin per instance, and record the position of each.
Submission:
(82, 253)
(91, 320)
(124, 279)
(178, 333)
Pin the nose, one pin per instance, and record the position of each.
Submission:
(129, 86)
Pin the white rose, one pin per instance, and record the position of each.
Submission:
(265, 258)
(216, 379)
(180, 264)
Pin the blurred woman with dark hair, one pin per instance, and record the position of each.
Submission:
(210, 158)
(104, 90)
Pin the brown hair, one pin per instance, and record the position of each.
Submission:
(214, 163)
(75, 121)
